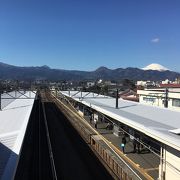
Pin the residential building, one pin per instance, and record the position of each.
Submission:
(159, 96)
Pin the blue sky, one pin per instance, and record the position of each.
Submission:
(86, 34)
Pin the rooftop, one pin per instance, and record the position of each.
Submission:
(14, 118)
(170, 85)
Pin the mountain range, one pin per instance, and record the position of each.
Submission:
(46, 73)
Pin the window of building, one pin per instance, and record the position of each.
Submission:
(149, 99)
(176, 102)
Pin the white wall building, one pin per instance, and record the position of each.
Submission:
(167, 81)
(157, 98)
(141, 83)
(145, 83)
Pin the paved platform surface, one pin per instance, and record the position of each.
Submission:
(145, 159)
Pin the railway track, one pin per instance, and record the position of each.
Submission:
(53, 149)
(53, 167)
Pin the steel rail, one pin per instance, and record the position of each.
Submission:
(49, 145)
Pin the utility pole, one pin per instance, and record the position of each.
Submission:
(166, 98)
(117, 97)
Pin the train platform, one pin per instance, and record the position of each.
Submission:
(155, 128)
(145, 160)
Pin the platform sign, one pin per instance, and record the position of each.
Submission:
(95, 117)
(131, 132)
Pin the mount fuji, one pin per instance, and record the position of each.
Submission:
(155, 67)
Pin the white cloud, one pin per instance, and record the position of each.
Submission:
(155, 40)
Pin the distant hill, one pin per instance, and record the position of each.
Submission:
(46, 73)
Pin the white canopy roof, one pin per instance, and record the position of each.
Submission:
(13, 123)
(153, 121)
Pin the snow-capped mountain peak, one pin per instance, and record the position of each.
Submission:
(156, 67)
